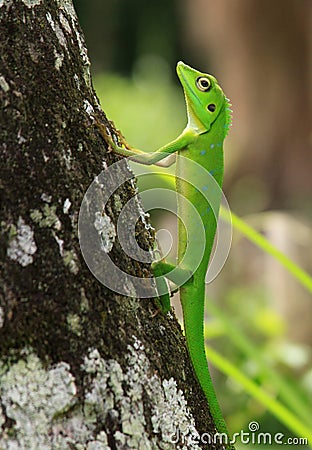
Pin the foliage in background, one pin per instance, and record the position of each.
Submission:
(149, 108)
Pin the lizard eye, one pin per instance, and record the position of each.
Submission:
(203, 84)
(211, 107)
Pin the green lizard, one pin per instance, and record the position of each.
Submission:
(209, 118)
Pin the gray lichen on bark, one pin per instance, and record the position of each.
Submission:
(47, 412)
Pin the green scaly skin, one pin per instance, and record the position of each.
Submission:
(202, 142)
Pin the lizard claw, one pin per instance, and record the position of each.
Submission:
(105, 133)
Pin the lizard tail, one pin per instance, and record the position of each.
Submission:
(192, 299)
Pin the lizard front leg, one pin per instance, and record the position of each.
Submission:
(157, 157)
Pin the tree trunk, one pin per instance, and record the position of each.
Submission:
(81, 366)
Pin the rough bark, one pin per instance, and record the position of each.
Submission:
(81, 366)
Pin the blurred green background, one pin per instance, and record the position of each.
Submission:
(261, 53)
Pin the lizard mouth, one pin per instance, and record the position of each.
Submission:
(181, 65)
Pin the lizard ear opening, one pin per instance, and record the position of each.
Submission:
(211, 107)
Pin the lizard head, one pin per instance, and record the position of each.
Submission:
(205, 100)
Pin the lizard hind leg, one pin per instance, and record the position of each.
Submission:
(162, 288)
(162, 270)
